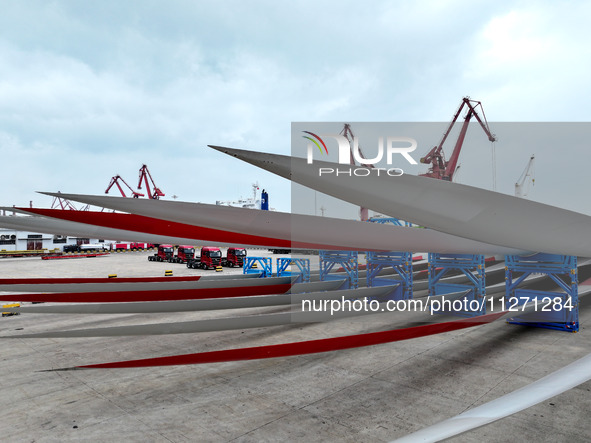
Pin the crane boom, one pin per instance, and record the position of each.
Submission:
(522, 185)
(63, 203)
(445, 170)
(347, 132)
(144, 175)
(115, 182)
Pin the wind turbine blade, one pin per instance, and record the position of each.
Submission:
(453, 208)
(210, 222)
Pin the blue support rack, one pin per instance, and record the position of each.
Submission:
(393, 220)
(472, 301)
(265, 269)
(349, 262)
(401, 262)
(303, 265)
(553, 310)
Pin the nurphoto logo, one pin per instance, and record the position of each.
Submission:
(349, 153)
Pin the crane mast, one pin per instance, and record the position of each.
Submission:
(439, 167)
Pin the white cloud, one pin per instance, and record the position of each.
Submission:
(112, 85)
(532, 61)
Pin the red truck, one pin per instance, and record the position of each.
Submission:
(165, 252)
(183, 254)
(140, 245)
(119, 246)
(210, 258)
(234, 257)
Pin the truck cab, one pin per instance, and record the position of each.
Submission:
(211, 257)
(234, 257)
(184, 254)
(165, 252)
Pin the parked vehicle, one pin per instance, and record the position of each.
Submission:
(164, 253)
(210, 258)
(234, 257)
(280, 251)
(92, 247)
(183, 254)
(71, 248)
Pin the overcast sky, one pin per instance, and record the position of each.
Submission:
(93, 89)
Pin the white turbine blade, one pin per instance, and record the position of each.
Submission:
(553, 384)
(63, 227)
(200, 305)
(449, 207)
(304, 230)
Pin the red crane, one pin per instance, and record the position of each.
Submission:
(144, 175)
(347, 132)
(445, 170)
(115, 181)
(62, 203)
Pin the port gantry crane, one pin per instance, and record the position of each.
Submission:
(65, 204)
(115, 181)
(347, 132)
(527, 177)
(445, 169)
(144, 175)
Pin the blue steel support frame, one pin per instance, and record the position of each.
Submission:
(303, 265)
(554, 310)
(393, 220)
(401, 262)
(266, 266)
(347, 259)
(472, 266)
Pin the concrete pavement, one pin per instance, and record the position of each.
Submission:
(369, 394)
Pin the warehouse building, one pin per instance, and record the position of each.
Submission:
(14, 240)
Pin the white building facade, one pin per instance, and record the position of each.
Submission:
(13, 240)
